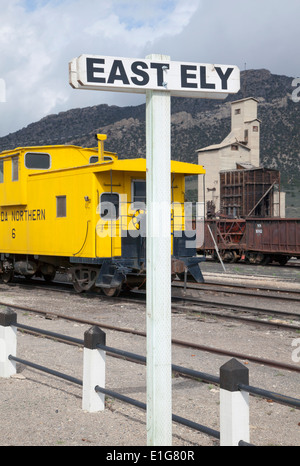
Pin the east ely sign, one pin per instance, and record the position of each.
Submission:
(159, 78)
(180, 79)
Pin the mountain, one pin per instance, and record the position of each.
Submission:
(196, 123)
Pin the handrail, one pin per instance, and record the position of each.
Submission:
(94, 339)
(277, 397)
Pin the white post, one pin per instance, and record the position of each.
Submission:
(234, 404)
(93, 370)
(158, 143)
(8, 342)
(159, 78)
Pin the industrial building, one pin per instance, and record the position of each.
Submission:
(236, 185)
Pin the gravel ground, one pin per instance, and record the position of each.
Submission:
(38, 409)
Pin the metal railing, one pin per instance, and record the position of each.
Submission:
(233, 379)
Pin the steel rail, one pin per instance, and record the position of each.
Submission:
(238, 307)
(207, 285)
(177, 342)
(225, 288)
(232, 306)
(229, 306)
(247, 320)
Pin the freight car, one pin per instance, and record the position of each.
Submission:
(253, 240)
(82, 211)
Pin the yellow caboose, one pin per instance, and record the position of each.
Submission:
(83, 211)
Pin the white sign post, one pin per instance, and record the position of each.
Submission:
(158, 78)
(158, 283)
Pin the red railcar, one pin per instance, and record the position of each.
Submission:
(255, 240)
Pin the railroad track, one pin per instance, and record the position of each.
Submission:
(290, 264)
(238, 310)
(198, 305)
(187, 304)
(177, 342)
(209, 285)
(237, 289)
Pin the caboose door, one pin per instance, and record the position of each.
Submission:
(108, 225)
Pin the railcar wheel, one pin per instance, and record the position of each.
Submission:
(8, 276)
(111, 292)
(83, 279)
(267, 260)
(214, 256)
(259, 258)
(49, 277)
(250, 258)
(77, 287)
(282, 260)
(235, 257)
(229, 256)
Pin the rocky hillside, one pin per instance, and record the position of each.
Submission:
(196, 123)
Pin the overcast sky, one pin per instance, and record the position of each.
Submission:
(38, 38)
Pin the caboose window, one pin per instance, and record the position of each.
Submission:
(139, 191)
(95, 158)
(1, 171)
(15, 169)
(61, 206)
(37, 161)
(109, 206)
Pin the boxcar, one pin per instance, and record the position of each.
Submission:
(272, 239)
(254, 240)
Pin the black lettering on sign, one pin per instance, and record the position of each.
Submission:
(91, 70)
(224, 77)
(160, 67)
(203, 83)
(118, 73)
(135, 68)
(13, 233)
(185, 75)
(179, 78)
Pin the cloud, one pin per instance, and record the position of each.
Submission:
(139, 23)
(260, 34)
(38, 38)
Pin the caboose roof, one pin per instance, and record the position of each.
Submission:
(139, 165)
(61, 163)
(126, 165)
